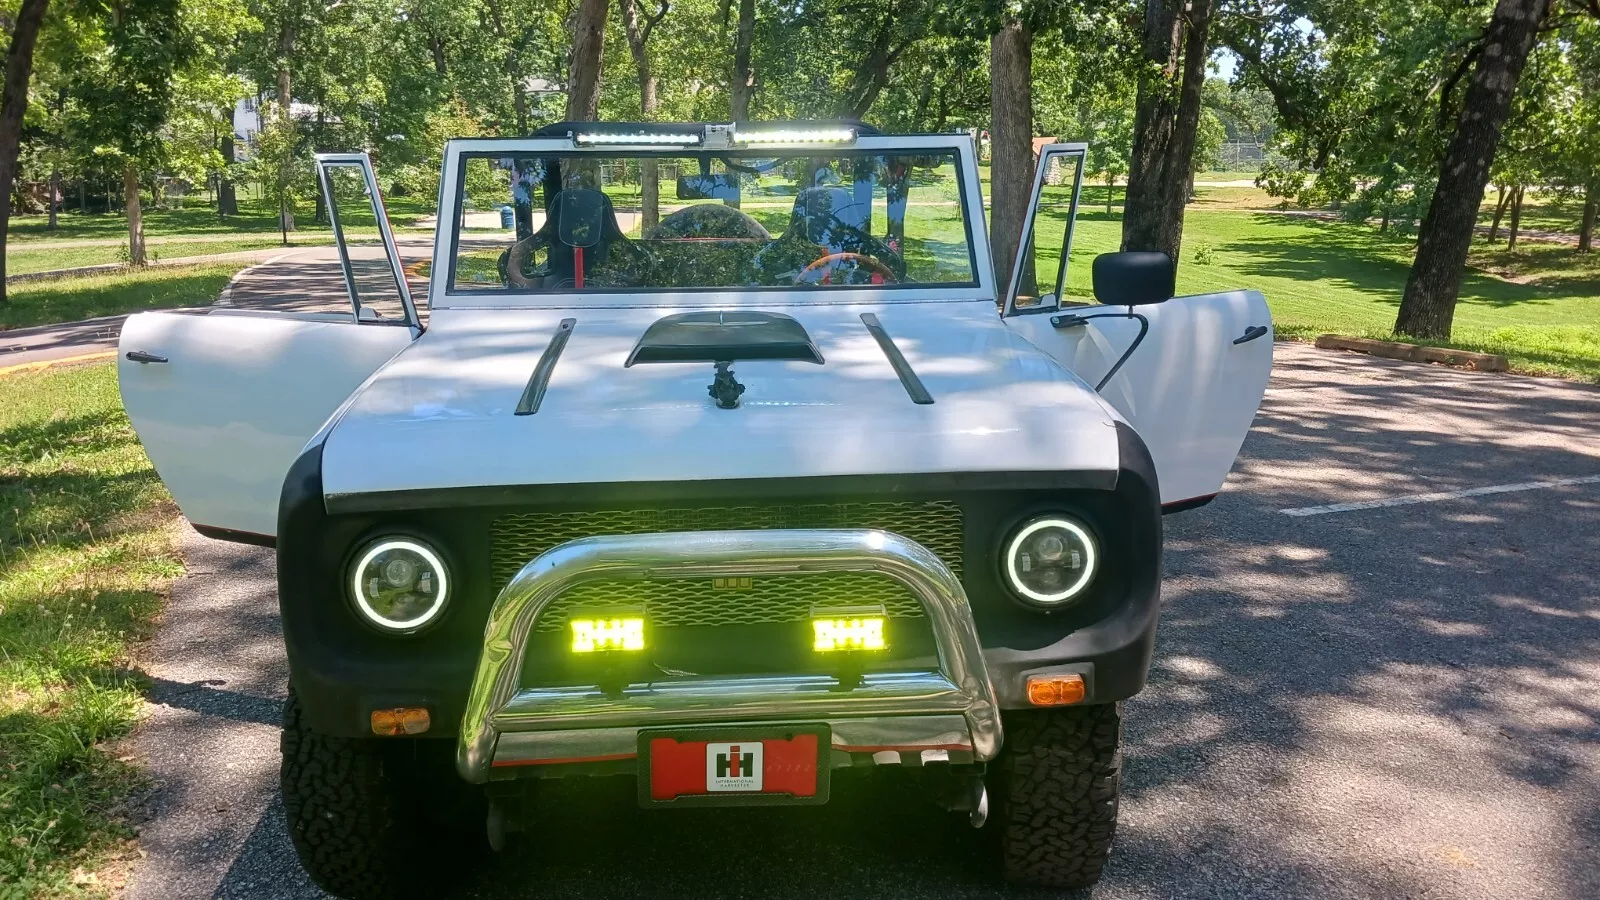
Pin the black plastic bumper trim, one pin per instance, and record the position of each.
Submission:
(237, 537)
(719, 489)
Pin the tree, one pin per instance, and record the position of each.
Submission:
(1429, 302)
(1171, 82)
(742, 84)
(638, 32)
(129, 91)
(583, 79)
(1011, 147)
(13, 105)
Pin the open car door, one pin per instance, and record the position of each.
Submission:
(225, 399)
(1188, 373)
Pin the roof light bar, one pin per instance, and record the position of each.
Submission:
(795, 136)
(635, 139)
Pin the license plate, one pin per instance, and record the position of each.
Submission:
(739, 766)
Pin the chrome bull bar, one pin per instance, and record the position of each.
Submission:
(498, 706)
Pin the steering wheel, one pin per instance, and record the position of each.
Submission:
(827, 263)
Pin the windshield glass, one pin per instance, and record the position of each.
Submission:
(639, 222)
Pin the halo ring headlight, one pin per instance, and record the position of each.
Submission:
(1050, 560)
(399, 584)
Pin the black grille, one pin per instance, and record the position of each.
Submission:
(520, 537)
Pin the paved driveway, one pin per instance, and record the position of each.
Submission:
(305, 280)
(1379, 701)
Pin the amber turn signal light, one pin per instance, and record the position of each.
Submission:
(1055, 690)
(401, 721)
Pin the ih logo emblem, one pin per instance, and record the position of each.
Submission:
(733, 767)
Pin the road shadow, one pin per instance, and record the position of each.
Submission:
(1388, 703)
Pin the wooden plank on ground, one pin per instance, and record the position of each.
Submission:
(1483, 362)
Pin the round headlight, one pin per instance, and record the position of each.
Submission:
(399, 584)
(1050, 560)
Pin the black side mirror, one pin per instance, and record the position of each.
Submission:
(1134, 278)
(580, 217)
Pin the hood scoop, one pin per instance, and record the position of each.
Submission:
(722, 338)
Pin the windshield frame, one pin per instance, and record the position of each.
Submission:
(442, 295)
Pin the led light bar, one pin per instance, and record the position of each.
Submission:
(860, 633)
(589, 138)
(796, 136)
(596, 635)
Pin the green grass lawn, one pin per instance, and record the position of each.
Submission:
(254, 218)
(22, 259)
(87, 549)
(68, 300)
(1540, 307)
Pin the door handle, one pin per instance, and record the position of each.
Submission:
(139, 356)
(1250, 334)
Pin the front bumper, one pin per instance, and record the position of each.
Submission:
(951, 705)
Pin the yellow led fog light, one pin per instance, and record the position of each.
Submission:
(595, 635)
(853, 633)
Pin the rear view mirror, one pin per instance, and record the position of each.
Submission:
(1134, 278)
(580, 217)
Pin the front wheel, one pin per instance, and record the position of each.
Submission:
(374, 818)
(1054, 790)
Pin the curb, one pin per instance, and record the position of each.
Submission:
(1482, 362)
(226, 297)
(47, 363)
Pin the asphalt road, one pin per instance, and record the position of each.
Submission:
(1397, 701)
(303, 280)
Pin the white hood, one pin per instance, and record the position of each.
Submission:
(441, 414)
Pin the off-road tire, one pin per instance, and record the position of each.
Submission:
(1053, 790)
(373, 818)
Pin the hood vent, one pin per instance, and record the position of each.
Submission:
(724, 336)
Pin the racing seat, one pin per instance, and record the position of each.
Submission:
(561, 266)
(826, 220)
(563, 258)
(829, 217)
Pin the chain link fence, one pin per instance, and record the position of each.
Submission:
(1245, 156)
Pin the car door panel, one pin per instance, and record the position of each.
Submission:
(1188, 389)
(236, 401)
(1192, 369)
(225, 400)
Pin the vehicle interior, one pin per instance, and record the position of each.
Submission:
(710, 221)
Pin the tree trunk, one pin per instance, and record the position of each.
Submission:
(743, 84)
(1011, 160)
(1516, 220)
(583, 75)
(1429, 303)
(870, 78)
(649, 170)
(130, 195)
(437, 46)
(1591, 208)
(286, 39)
(83, 196)
(13, 103)
(519, 101)
(1383, 223)
(1499, 211)
(50, 202)
(742, 87)
(1166, 118)
(227, 194)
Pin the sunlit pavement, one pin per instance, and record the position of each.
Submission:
(1390, 702)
